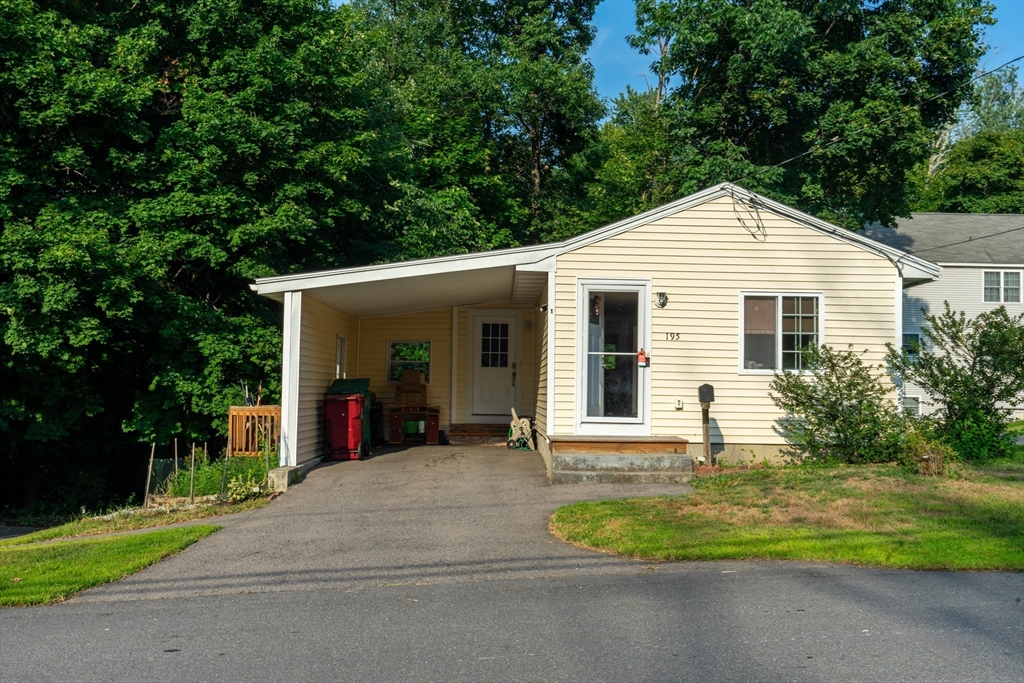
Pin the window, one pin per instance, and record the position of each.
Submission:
(777, 328)
(340, 357)
(494, 345)
(613, 388)
(1001, 286)
(912, 343)
(912, 405)
(408, 355)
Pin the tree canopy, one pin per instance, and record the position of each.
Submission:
(157, 156)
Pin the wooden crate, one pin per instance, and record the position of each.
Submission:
(252, 428)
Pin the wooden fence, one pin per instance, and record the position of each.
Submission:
(251, 429)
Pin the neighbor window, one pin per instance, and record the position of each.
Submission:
(912, 405)
(408, 355)
(777, 328)
(912, 343)
(1002, 286)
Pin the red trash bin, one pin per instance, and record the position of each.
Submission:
(343, 426)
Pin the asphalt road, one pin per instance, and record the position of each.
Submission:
(440, 568)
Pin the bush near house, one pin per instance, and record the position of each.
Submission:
(969, 367)
(838, 411)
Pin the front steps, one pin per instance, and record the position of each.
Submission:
(620, 460)
(478, 434)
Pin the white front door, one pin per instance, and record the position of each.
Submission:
(495, 377)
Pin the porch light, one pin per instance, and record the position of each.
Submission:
(662, 300)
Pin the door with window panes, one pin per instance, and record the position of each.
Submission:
(614, 384)
(496, 377)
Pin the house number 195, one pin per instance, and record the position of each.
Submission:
(672, 336)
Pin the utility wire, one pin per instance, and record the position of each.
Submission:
(840, 138)
(973, 239)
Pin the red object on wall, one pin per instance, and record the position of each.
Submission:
(343, 426)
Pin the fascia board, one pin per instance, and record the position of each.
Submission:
(390, 271)
(545, 266)
(1001, 266)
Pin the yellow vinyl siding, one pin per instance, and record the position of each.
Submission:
(432, 326)
(703, 258)
(321, 325)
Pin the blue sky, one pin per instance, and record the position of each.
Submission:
(616, 64)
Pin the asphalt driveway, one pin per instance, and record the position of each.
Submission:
(430, 514)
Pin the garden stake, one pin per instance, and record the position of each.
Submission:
(149, 472)
(224, 480)
(175, 455)
(192, 477)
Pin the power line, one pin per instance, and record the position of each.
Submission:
(840, 138)
(971, 239)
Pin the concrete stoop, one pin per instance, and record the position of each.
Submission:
(620, 461)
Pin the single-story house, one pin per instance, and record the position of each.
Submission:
(982, 259)
(603, 338)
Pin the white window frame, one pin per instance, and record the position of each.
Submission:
(1002, 286)
(387, 358)
(613, 426)
(919, 403)
(778, 294)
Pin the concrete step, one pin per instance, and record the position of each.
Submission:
(636, 462)
(613, 477)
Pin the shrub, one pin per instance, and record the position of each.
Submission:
(210, 477)
(837, 410)
(969, 367)
(247, 485)
(930, 456)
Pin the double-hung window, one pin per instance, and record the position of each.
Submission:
(1002, 286)
(776, 329)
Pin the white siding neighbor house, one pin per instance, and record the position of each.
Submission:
(603, 338)
(982, 259)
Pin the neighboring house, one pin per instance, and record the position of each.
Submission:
(721, 287)
(982, 259)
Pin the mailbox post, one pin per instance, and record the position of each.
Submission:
(706, 394)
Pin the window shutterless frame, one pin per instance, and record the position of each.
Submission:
(1000, 286)
(411, 363)
(610, 367)
(779, 295)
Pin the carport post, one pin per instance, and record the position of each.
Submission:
(290, 377)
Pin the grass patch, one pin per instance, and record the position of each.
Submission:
(38, 574)
(131, 520)
(870, 515)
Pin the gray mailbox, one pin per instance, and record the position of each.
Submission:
(706, 392)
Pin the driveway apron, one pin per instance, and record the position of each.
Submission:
(433, 514)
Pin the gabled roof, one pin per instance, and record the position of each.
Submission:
(511, 262)
(954, 238)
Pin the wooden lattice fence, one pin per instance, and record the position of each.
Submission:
(252, 429)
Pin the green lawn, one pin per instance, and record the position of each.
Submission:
(40, 573)
(869, 515)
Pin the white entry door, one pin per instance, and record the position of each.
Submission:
(495, 377)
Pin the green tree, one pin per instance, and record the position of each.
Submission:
(155, 158)
(971, 369)
(977, 163)
(756, 83)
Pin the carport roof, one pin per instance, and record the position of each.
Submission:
(519, 274)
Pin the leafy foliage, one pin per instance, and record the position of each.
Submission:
(838, 411)
(744, 85)
(970, 368)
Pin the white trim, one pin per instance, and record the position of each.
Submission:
(401, 340)
(290, 352)
(778, 293)
(549, 428)
(516, 326)
(914, 267)
(455, 366)
(612, 426)
(359, 343)
(899, 309)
